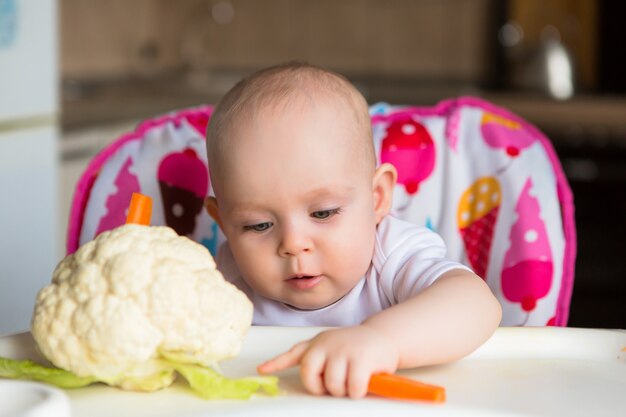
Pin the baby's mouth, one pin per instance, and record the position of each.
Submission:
(301, 276)
(304, 282)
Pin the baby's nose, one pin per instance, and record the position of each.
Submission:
(294, 242)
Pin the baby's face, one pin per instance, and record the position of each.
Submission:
(296, 204)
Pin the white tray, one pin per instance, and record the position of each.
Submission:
(519, 371)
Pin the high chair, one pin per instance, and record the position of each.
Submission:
(484, 179)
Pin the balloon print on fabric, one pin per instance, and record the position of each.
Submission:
(476, 218)
(126, 184)
(184, 182)
(503, 133)
(409, 147)
(528, 268)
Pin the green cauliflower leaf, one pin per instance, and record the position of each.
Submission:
(210, 384)
(206, 382)
(26, 369)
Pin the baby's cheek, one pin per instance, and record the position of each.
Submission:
(353, 257)
(250, 260)
(262, 271)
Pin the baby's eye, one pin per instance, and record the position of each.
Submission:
(324, 214)
(261, 227)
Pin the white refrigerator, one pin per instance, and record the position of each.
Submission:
(28, 156)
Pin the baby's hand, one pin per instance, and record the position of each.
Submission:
(340, 361)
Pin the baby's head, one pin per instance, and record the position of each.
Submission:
(297, 191)
(265, 96)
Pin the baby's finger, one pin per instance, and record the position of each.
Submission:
(358, 380)
(284, 360)
(312, 372)
(335, 375)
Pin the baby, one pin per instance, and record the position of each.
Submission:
(305, 209)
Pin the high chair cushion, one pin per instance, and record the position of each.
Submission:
(484, 179)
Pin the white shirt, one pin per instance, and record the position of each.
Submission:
(407, 258)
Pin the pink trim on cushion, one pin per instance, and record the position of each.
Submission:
(87, 179)
(564, 191)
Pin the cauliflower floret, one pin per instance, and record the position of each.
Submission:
(134, 297)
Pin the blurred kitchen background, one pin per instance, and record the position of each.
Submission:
(560, 64)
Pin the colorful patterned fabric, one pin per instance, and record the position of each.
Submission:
(487, 181)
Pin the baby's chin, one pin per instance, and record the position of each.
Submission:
(311, 305)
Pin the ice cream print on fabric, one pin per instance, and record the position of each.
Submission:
(528, 266)
(126, 183)
(503, 133)
(183, 182)
(476, 218)
(199, 121)
(410, 148)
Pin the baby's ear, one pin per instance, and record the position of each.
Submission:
(382, 187)
(210, 203)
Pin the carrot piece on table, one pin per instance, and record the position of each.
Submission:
(395, 386)
(140, 209)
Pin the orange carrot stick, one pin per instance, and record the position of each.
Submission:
(140, 210)
(395, 386)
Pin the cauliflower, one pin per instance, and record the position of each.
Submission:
(137, 304)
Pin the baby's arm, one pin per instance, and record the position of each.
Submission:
(444, 322)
